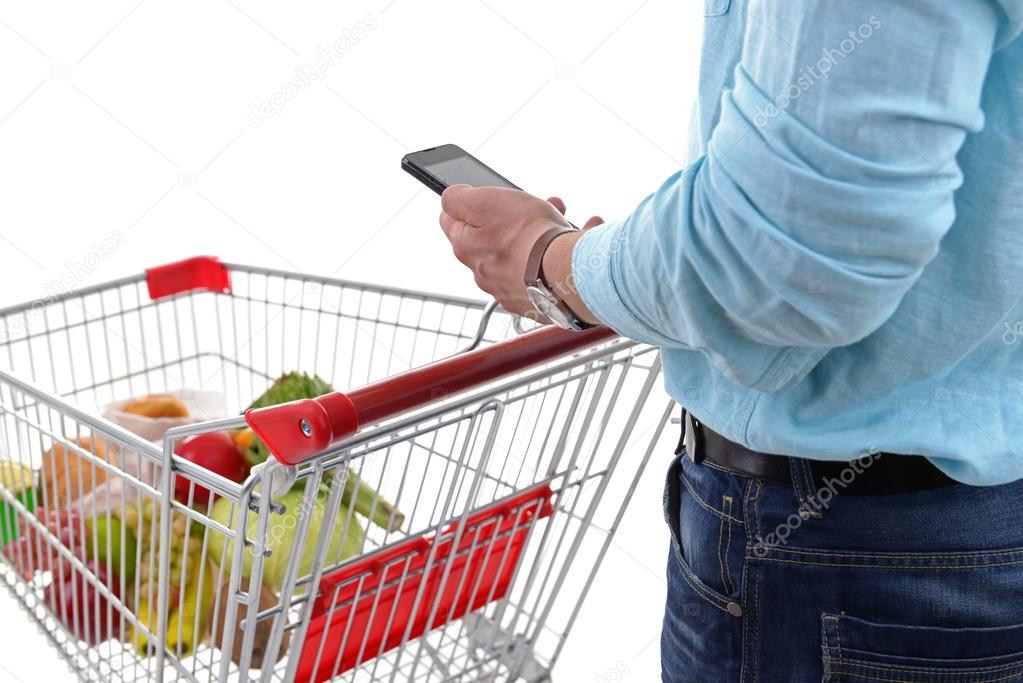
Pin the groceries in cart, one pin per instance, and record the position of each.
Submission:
(151, 415)
(19, 479)
(116, 538)
(440, 517)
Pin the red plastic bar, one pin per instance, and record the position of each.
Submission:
(371, 605)
(300, 429)
(205, 273)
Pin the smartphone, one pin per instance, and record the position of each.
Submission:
(439, 167)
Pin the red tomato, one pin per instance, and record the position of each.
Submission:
(215, 451)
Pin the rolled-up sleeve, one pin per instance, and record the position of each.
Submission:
(826, 187)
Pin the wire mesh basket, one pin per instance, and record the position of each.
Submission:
(440, 519)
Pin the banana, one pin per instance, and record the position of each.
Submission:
(190, 606)
(144, 613)
(189, 623)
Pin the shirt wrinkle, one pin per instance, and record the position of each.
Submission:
(838, 268)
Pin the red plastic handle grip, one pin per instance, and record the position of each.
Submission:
(299, 430)
(204, 273)
(293, 431)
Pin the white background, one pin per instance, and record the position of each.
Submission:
(131, 122)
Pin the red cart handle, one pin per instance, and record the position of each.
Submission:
(298, 430)
(197, 273)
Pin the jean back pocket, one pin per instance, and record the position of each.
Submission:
(858, 651)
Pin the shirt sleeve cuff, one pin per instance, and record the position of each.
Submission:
(594, 267)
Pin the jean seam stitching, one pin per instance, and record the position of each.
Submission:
(805, 489)
(937, 674)
(795, 472)
(704, 504)
(746, 581)
(811, 496)
(721, 538)
(807, 476)
(687, 574)
(698, 588)
(838, 640)
(960, 567)
(755, 501)
(756, 594)
(726, 576)
(975, 554)
(830, 649)
(1018, 664)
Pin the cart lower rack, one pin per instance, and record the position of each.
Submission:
(186, 495)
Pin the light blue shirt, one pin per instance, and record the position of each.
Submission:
(840, 267)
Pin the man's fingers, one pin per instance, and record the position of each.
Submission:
(480, 206)
(557, 203)
(448, 223)
(459, 202)
(472, 205)
(466, 241)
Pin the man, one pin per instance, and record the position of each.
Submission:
(836, 283)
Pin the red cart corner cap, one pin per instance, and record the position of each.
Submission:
(297, 430)
(205, 273)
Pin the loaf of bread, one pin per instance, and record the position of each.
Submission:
(156, 405)
(66, 475)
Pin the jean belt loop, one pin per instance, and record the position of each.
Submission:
(804, 486)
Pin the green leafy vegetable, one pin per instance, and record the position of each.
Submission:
(346, 536)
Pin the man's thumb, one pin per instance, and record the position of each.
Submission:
(457, 201)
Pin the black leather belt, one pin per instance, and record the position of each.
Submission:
(874, 475)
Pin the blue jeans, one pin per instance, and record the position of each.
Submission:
(905, 588)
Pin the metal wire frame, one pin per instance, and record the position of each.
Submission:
(412, 430)
(452, 652)
(592, 411)
(46, 417)
(130, 344)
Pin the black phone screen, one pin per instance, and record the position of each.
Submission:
(441, 167)
(465, 170)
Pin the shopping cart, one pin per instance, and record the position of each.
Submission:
(491, 455)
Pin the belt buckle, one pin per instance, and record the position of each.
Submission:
(692, 441)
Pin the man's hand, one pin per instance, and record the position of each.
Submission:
(492, 231)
